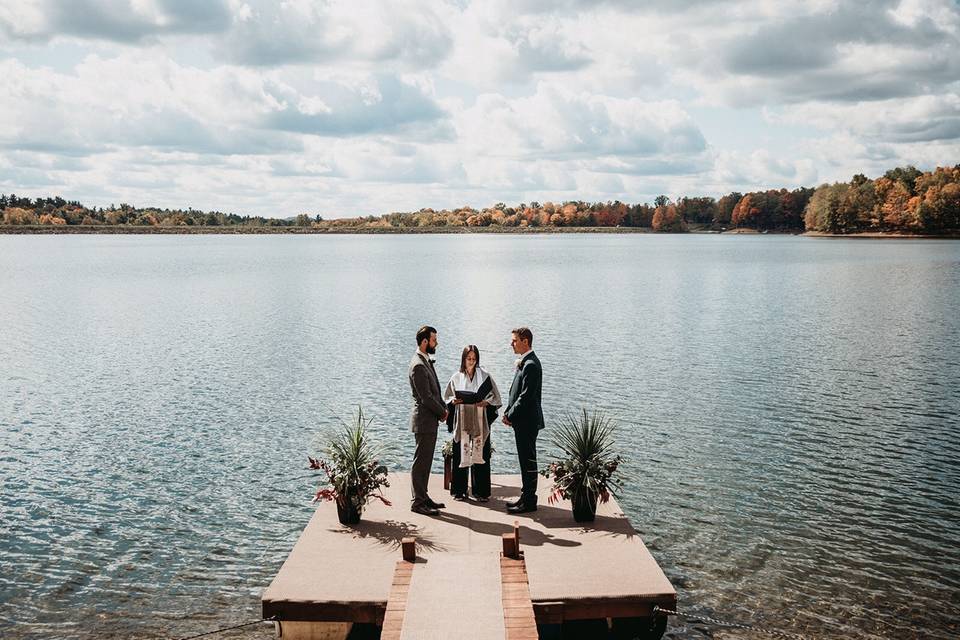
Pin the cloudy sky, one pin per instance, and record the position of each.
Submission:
(347, 108)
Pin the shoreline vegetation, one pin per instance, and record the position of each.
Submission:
(904, 202)
(333, 231)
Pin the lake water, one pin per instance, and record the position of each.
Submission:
(789, 408)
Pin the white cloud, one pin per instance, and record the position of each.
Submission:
(363, 107)
(925, 118)
(845, 52)
(761, 169)
(401, 34)
(116, 20)
(565, 123)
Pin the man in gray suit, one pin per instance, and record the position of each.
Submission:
(428, 410)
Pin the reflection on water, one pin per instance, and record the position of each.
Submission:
(788, 406)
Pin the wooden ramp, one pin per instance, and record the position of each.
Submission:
(473, 596)
(518, 617)
(570, 571)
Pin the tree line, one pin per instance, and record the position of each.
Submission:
(57, 211)
(904, 199)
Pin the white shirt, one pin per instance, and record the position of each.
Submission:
(520, 359)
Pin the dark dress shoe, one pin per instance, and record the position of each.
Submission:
(425, 510)
(515, 503)
(522, 508)
(435, 505)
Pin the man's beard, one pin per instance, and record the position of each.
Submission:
(431, 350)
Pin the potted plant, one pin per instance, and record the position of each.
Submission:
(585, 473)
(353, 470)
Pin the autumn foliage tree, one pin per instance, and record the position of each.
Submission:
(903, 199)
(725, 207)
(939, 199)
(774, 209)
(19, 216)
(666, 218)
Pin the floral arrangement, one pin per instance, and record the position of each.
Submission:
(447, 449)
(588, 464)
(354, 473)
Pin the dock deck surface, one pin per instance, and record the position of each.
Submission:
(345, 573)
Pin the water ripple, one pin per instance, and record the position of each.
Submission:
(791, 434)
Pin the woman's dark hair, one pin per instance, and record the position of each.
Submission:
(463, 357)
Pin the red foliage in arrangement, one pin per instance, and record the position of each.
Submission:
(373, 476)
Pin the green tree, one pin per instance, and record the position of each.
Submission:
(701, 209)
(905, 175)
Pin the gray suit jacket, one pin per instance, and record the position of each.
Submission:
(428, 406)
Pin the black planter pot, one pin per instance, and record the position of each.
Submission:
(347, 513)
(584, 506)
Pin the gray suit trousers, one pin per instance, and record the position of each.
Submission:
(422, 461)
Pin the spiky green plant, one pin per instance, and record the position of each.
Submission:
(588, 465)
(353, 471)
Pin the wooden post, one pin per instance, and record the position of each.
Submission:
(408, 547)
(509, 546)
(511, 542)
(447, 471)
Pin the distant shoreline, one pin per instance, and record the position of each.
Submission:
(234, 230)
(491, 230)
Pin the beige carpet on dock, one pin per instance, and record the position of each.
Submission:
(455, 596)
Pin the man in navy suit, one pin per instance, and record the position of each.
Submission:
(525, 415)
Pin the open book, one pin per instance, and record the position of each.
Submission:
(473, 397)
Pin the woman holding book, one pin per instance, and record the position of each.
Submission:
(474, 398)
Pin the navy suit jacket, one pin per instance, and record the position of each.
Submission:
(523, 408)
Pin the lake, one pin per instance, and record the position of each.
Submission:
(788, 407)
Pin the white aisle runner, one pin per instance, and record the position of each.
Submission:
(456, 595)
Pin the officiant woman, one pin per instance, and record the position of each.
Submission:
(469, 418)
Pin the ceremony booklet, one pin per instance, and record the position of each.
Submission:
(473, 397)
(468, 397)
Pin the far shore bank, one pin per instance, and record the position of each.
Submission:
(195, 230)
(242, 230)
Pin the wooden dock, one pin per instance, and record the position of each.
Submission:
(460, 580)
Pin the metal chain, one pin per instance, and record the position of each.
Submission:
(238, 626)
(734, 625)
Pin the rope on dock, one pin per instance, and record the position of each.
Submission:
(236, 626)
(733, 625)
